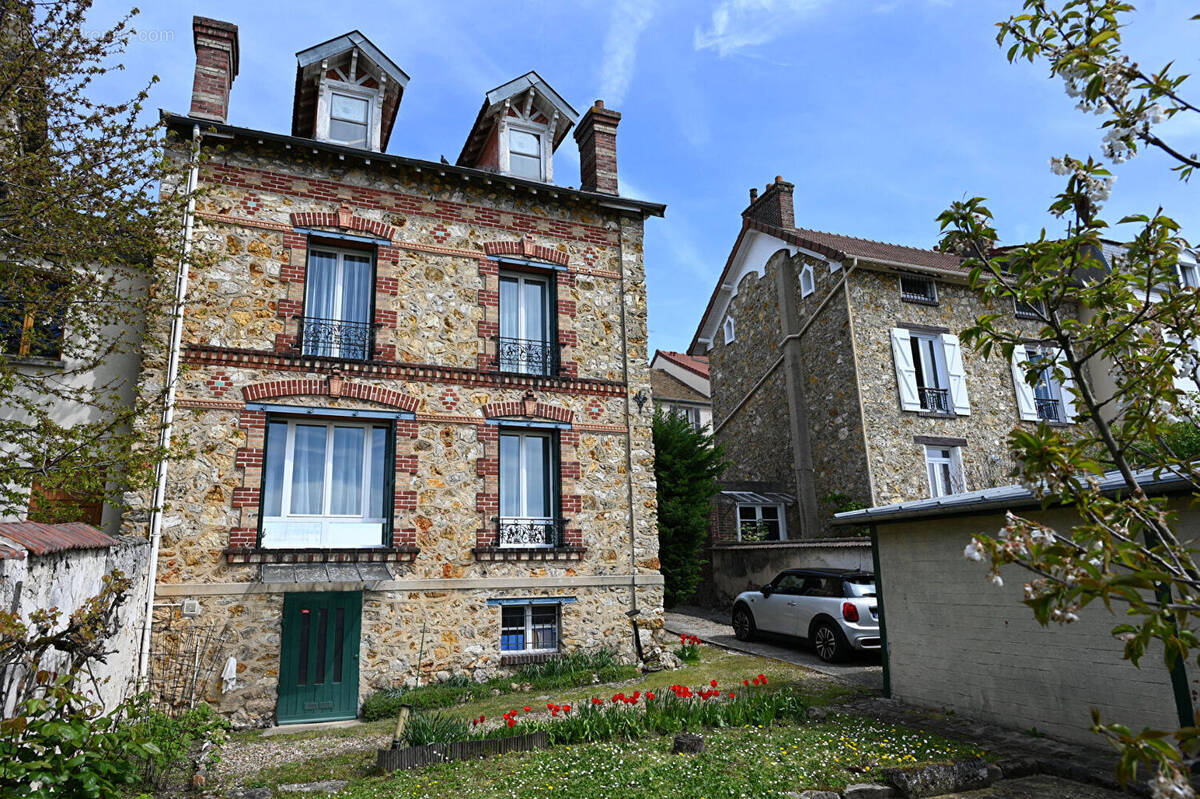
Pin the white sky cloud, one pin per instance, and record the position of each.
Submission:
(626, 23)
(742, 24)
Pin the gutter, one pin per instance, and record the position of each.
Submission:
(609, 201)
(633, 611)
(168, 412)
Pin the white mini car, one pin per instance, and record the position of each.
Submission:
(835, 609)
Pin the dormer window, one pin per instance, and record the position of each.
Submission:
(518, 129)
(348, 119)
(524, 154)
(347, 92)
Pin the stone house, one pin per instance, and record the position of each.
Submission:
(408, 389)
(838, 378)
(679, 384)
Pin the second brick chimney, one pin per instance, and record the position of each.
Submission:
(774, 205)
(597, 138)
(216, 67)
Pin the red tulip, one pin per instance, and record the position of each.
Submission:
(649, 695)
(732, 695)
(566, 708)
(713, 683)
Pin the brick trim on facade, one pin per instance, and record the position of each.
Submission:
(331, 387)
(425, 373)
(526, 249)
(528, 407)
(344, 219)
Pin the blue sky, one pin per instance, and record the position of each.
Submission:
(882, 112)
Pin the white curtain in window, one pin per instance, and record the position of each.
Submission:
(308, 469)
(510, 317)
(378, 459)
(535, 468)
(346, 488)
(320, 285)
(356, 288)
(276, 455)
(534, 308)
(525, 476)
(510, 476)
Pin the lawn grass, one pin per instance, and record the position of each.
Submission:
(745, 762)
(728, 668)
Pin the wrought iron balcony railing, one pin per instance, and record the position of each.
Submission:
(527, 356)
(936, 400)
(515, 531)
(336, 338)
(1049, 410)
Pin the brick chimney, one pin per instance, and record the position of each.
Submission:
(773, 206)
(216, 67)
(597, 138)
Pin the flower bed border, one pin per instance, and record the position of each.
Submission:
(390, 760)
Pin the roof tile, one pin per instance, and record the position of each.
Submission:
(43, 539)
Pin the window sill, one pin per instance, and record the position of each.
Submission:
(526, 658)
(918, 300)
(935, 414)
(33, 360)
(400, 554)
(539, 553)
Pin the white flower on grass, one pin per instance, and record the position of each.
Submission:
(973, 551)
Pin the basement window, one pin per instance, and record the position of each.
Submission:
(529, 628)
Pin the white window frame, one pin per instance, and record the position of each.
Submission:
(689, 412)
(528, 633)
(329, 87)
(1189, 273)
(326, 520)
(546, 335)
(544, 146)
(551, 476)
(1027, 394)
(808, 283)
(953, 481)
(758, 508)
(730, 328)
(922, 299)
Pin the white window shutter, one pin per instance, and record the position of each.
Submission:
(1025, 405)
(1068, 382)
(906, 373)
(956, 374)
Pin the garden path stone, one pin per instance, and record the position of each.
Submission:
(869, 790)
(1039, 787)
(816, 795)
(325, 786)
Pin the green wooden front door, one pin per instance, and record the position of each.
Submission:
(318, 668)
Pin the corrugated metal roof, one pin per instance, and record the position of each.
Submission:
(42, 539)
(1002, 498)
(755, 498)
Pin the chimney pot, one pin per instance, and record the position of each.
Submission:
(774, 206)
(216, 44)
(599, 103)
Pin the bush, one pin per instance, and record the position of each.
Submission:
(175, 740)
(686, 466)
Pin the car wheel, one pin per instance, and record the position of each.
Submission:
(743, 624)
(829, 642)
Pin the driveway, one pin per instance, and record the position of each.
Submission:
(712, 627)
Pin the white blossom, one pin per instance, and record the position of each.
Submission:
(1059, 167)
(1174, 786)
(973, 551)
(996, 581)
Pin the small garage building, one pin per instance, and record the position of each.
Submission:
(954, 641)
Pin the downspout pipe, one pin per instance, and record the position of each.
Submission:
(168, 412)
(633, 611)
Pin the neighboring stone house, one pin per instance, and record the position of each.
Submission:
(408, 388)
(679, 384)
(838, 376)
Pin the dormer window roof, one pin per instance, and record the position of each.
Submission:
(518, 129)
(347, 92)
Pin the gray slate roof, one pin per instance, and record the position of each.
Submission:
(1008, 497)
